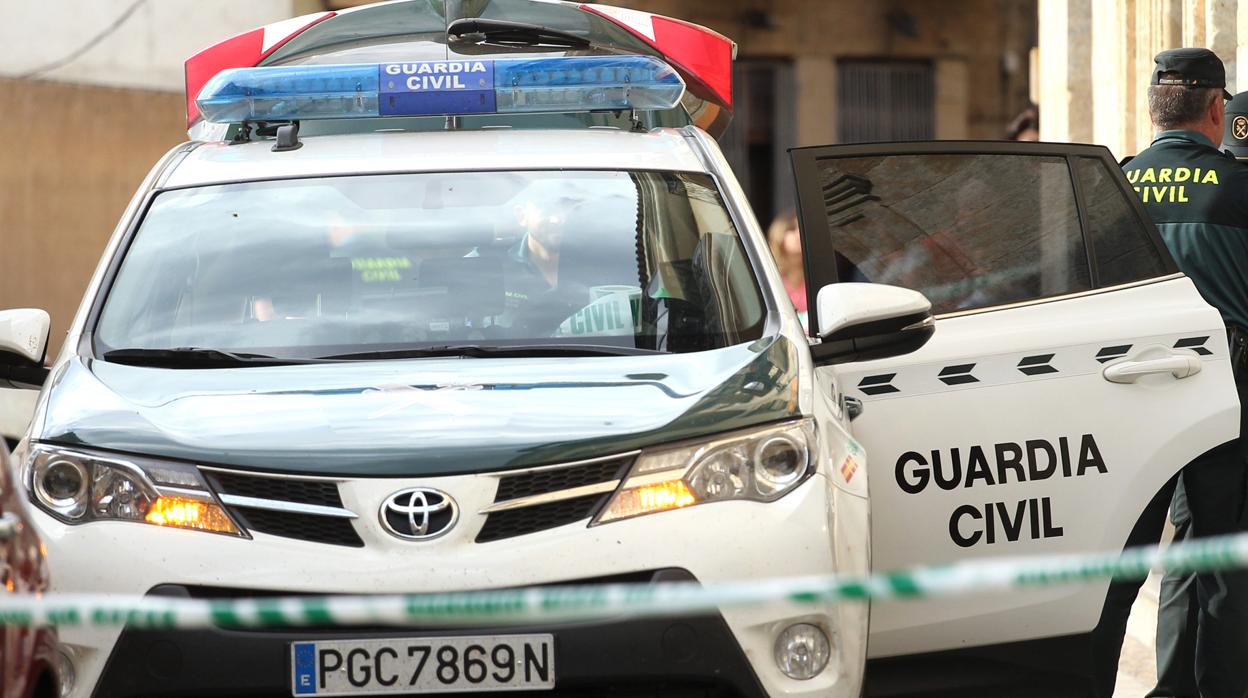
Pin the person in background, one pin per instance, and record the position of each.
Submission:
(1235, 137)
(1025, 126)
(785, 241)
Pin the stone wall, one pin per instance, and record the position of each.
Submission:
(1096, 57)
(65, 179)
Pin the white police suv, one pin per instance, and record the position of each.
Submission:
(442, 301)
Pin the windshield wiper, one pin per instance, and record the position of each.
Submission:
(484, 351)
(195, 357)
(498, 31)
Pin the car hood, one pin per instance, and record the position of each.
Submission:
(419, 417)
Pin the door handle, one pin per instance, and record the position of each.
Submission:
(1132, 371)
(9, 525)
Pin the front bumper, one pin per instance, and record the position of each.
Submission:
(815, 530)
(686, 657)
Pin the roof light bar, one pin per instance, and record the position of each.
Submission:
(430, 88)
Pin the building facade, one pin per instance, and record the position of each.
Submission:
(813, 72)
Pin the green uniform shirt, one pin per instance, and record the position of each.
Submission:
(1198, 197)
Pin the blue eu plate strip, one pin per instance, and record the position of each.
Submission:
(305, 668)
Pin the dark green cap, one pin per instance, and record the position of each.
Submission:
(1190, 67)
(1235, 137)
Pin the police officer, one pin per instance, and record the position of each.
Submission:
(1176, 644)
(1198, 197)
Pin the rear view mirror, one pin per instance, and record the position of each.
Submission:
(859, 322)
(23, 343)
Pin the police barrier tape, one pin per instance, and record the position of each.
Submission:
(582, 602)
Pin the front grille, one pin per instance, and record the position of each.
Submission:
(556, 479)
(311, 527)
(322, 492)
(550, 509)
(539, 517)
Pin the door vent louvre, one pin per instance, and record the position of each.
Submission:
(1196, 344)
(1110, 353)
(878, 385)
(957, 375)
(1037, 365)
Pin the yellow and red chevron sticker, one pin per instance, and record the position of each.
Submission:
(848, 468)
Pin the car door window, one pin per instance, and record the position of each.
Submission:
(966, 230)
(1121, 252)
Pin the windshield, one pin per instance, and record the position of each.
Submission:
(326, 267)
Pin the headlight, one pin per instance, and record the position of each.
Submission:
(761, 465)
(76, 487)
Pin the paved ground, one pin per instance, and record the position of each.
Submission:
(1137, 670)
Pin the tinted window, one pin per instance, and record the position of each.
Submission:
(320, 267)
(968, 231)
(1124, 249)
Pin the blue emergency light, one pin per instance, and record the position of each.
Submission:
(428, 88)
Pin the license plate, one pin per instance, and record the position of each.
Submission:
(423, 665)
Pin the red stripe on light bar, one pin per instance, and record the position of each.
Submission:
(241, 51)
(704, 57)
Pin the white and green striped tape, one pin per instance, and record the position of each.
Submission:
(582, 602)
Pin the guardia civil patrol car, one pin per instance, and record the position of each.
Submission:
(468, 298)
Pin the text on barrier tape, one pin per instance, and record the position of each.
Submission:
(564, 603)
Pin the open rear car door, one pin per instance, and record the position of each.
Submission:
(1072, 371)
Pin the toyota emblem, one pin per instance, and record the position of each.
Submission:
(419, 513)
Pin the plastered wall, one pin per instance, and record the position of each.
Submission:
(73, 155)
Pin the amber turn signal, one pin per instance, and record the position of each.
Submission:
(181, 512)
(647, 499)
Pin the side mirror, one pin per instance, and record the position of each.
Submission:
(858, 322)
(23, 343)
